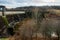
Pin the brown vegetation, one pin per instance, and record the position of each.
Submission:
(27, 31)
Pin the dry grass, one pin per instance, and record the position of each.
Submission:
(25, 29)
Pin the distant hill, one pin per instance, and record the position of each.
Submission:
(31, 7)
(28, 8)
(55, 7)
(41, 7)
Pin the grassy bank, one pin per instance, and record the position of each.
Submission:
(4, 38)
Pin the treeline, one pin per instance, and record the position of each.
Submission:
(31, 7)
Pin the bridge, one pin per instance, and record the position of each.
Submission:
(12, 12)
(3, 11)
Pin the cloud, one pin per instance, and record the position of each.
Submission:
(22, 1)
(17, 3)
(52, 0)
(43, 1)
(4, 2)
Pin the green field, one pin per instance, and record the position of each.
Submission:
(4, 38)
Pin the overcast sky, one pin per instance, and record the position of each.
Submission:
(18, 3)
